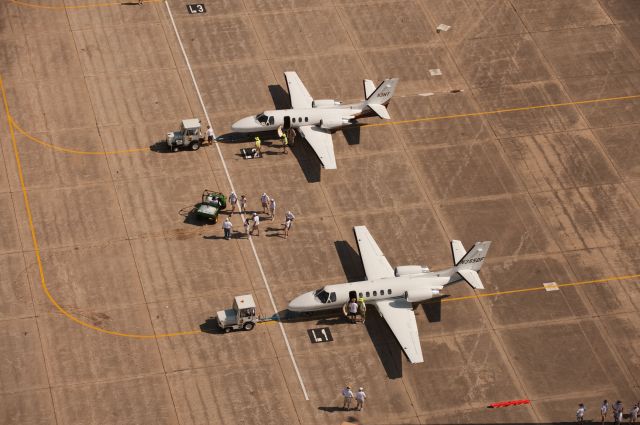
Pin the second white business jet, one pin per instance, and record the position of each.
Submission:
(316, 119)
(394, 291)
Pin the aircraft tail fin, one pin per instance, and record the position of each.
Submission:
(471, 262)
(458, 251)
(369, 88)
(383, 93)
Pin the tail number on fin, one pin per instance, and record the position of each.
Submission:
(383, 94)
(472, 260)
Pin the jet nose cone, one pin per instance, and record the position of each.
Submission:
(244, 125)
(300, 303)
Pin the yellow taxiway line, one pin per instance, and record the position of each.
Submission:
(78, 6)
(401, 122)
(36, 247)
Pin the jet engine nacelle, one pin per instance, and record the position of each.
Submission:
(408, 270)
(418, 295)
(325, 103)
(330, 124)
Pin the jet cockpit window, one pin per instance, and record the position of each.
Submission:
(332, 297)
(271, 121)
(262, 119)
(322, 295)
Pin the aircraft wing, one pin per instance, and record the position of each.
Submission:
(300, 97)
(375, 263)
(398, 313)
(322, 143)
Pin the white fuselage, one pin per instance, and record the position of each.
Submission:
(327, 117)
(335, 296)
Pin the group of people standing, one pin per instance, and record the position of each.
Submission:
(348, 395)
(252, 224)
(618, 412)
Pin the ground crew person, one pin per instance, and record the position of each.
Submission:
(360, 398)
(256, 224)
(209, 135)
(272, 208)
(288, 222)
(348, 396)
(233, 201)
(353, 310)
(246, 227)
(580, 413)
(243, 204)
(285, 142)
(633, 417)
(227, 226)
(264, 200)
(362, 307)
(258, 146)
(603, 411)
(616, 407)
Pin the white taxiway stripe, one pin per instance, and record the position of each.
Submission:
(226, 171)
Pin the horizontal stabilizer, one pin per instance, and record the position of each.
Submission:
(369, 88)
(458, 252)
(380, 110)
(472, 278)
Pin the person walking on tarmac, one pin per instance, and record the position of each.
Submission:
(580, 413)
(272, 208)
(209, 135)
(233, 201)
(227, 226)
(256, 224)
(348, 397)
(285, 142)
(258, 147)
(360, 398)
(264, 200)
(243, 204)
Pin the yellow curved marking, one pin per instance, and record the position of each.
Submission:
(79, 6)
(541, 288)
(502, 111)
(72, 151)
(36, 248)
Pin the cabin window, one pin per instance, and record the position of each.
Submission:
(271, 120)
(306, 119)
(375, 293)
(332, 297)
(360, 295)
(382, 292)
(299, 119)
(293, 119)
(388, 291)
(367, 294)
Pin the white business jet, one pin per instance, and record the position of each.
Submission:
(394, 291)
(316, 119)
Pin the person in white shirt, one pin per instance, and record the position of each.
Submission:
(209, 135)
(353, 310)
(227, 226)
(272, 208)
(360, 398)
(256, 224)
(243, 204)
(580, 413)
(348, 396)
(288, 221)
(604, 409)
(233, 201)
(264, 199)
(633, 417)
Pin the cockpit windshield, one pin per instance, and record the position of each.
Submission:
(262, 119)
(324, 296)
(265, 119)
